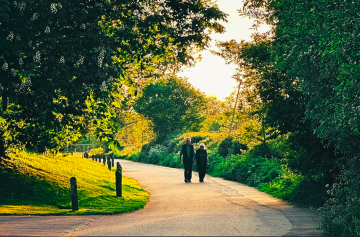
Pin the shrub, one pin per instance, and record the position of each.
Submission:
(224, 147)
(230, 147)
(146, 147)
(237, 147)
(170, 160)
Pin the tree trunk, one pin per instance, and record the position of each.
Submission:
(4, 106)
(2, 148)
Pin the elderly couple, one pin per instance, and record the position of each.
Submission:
(189, 155)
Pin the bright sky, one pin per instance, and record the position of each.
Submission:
(211, 75)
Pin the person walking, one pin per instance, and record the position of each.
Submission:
(188, 153)
(201, 161)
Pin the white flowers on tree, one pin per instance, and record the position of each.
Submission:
(25, 87)
(34, 17)
(53, 8)
(21, 62)
(101, 58)
(10, 36)
(62, 59)
(103, 86)
(4, 66)
(22, 6)
(37, 57)
(81, 61)
(47, 30)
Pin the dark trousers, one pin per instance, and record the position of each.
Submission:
(202, 171)
(188, 163)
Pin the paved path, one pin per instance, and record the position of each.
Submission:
(215, 207)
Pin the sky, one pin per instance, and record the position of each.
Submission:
(211, 75)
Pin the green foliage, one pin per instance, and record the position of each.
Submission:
(237, 147)
(214, 126)
(230, 147)
(270, 174)
(67, 65)
(157, 155)
(171, 105)
(307, 75)
(225, 146)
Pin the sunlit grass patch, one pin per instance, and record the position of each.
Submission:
(40, 184)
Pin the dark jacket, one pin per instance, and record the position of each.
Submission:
(201, 157)
(184, 152)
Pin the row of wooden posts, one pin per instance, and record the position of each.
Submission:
(107, 159)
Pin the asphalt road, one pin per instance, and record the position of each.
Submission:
(215, 207)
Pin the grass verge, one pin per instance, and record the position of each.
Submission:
(33, 184)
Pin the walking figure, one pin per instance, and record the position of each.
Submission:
(201, 161)
(188, 153)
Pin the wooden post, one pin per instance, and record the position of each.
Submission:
(118, 178)
(112, 161)
(74, 195)
(108, 162)
(92, 157)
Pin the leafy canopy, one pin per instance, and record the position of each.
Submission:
(171, 105)
(60, 63)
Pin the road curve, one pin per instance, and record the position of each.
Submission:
(215, 207)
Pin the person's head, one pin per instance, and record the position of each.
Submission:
(188, 140)
(202, 146)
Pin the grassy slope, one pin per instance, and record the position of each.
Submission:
(40, 184)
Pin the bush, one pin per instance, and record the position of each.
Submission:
(224, 147)
(230, 147)
(237, 147)
(170, 160)
(268, 175)
(265, 166)
(266, 150)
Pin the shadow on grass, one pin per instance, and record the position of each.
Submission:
(19, 188)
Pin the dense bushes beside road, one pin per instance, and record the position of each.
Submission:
(266, 168)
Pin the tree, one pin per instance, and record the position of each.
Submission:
(136, 132)
(171, 105)
(316, 44)
(62, 62)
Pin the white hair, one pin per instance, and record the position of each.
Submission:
(202, 144)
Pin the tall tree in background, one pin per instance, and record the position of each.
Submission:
(171, 105)
(251, 70)
(61, 62)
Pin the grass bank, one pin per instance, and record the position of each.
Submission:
(33, 184)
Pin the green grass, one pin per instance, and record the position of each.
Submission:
(33, 184)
